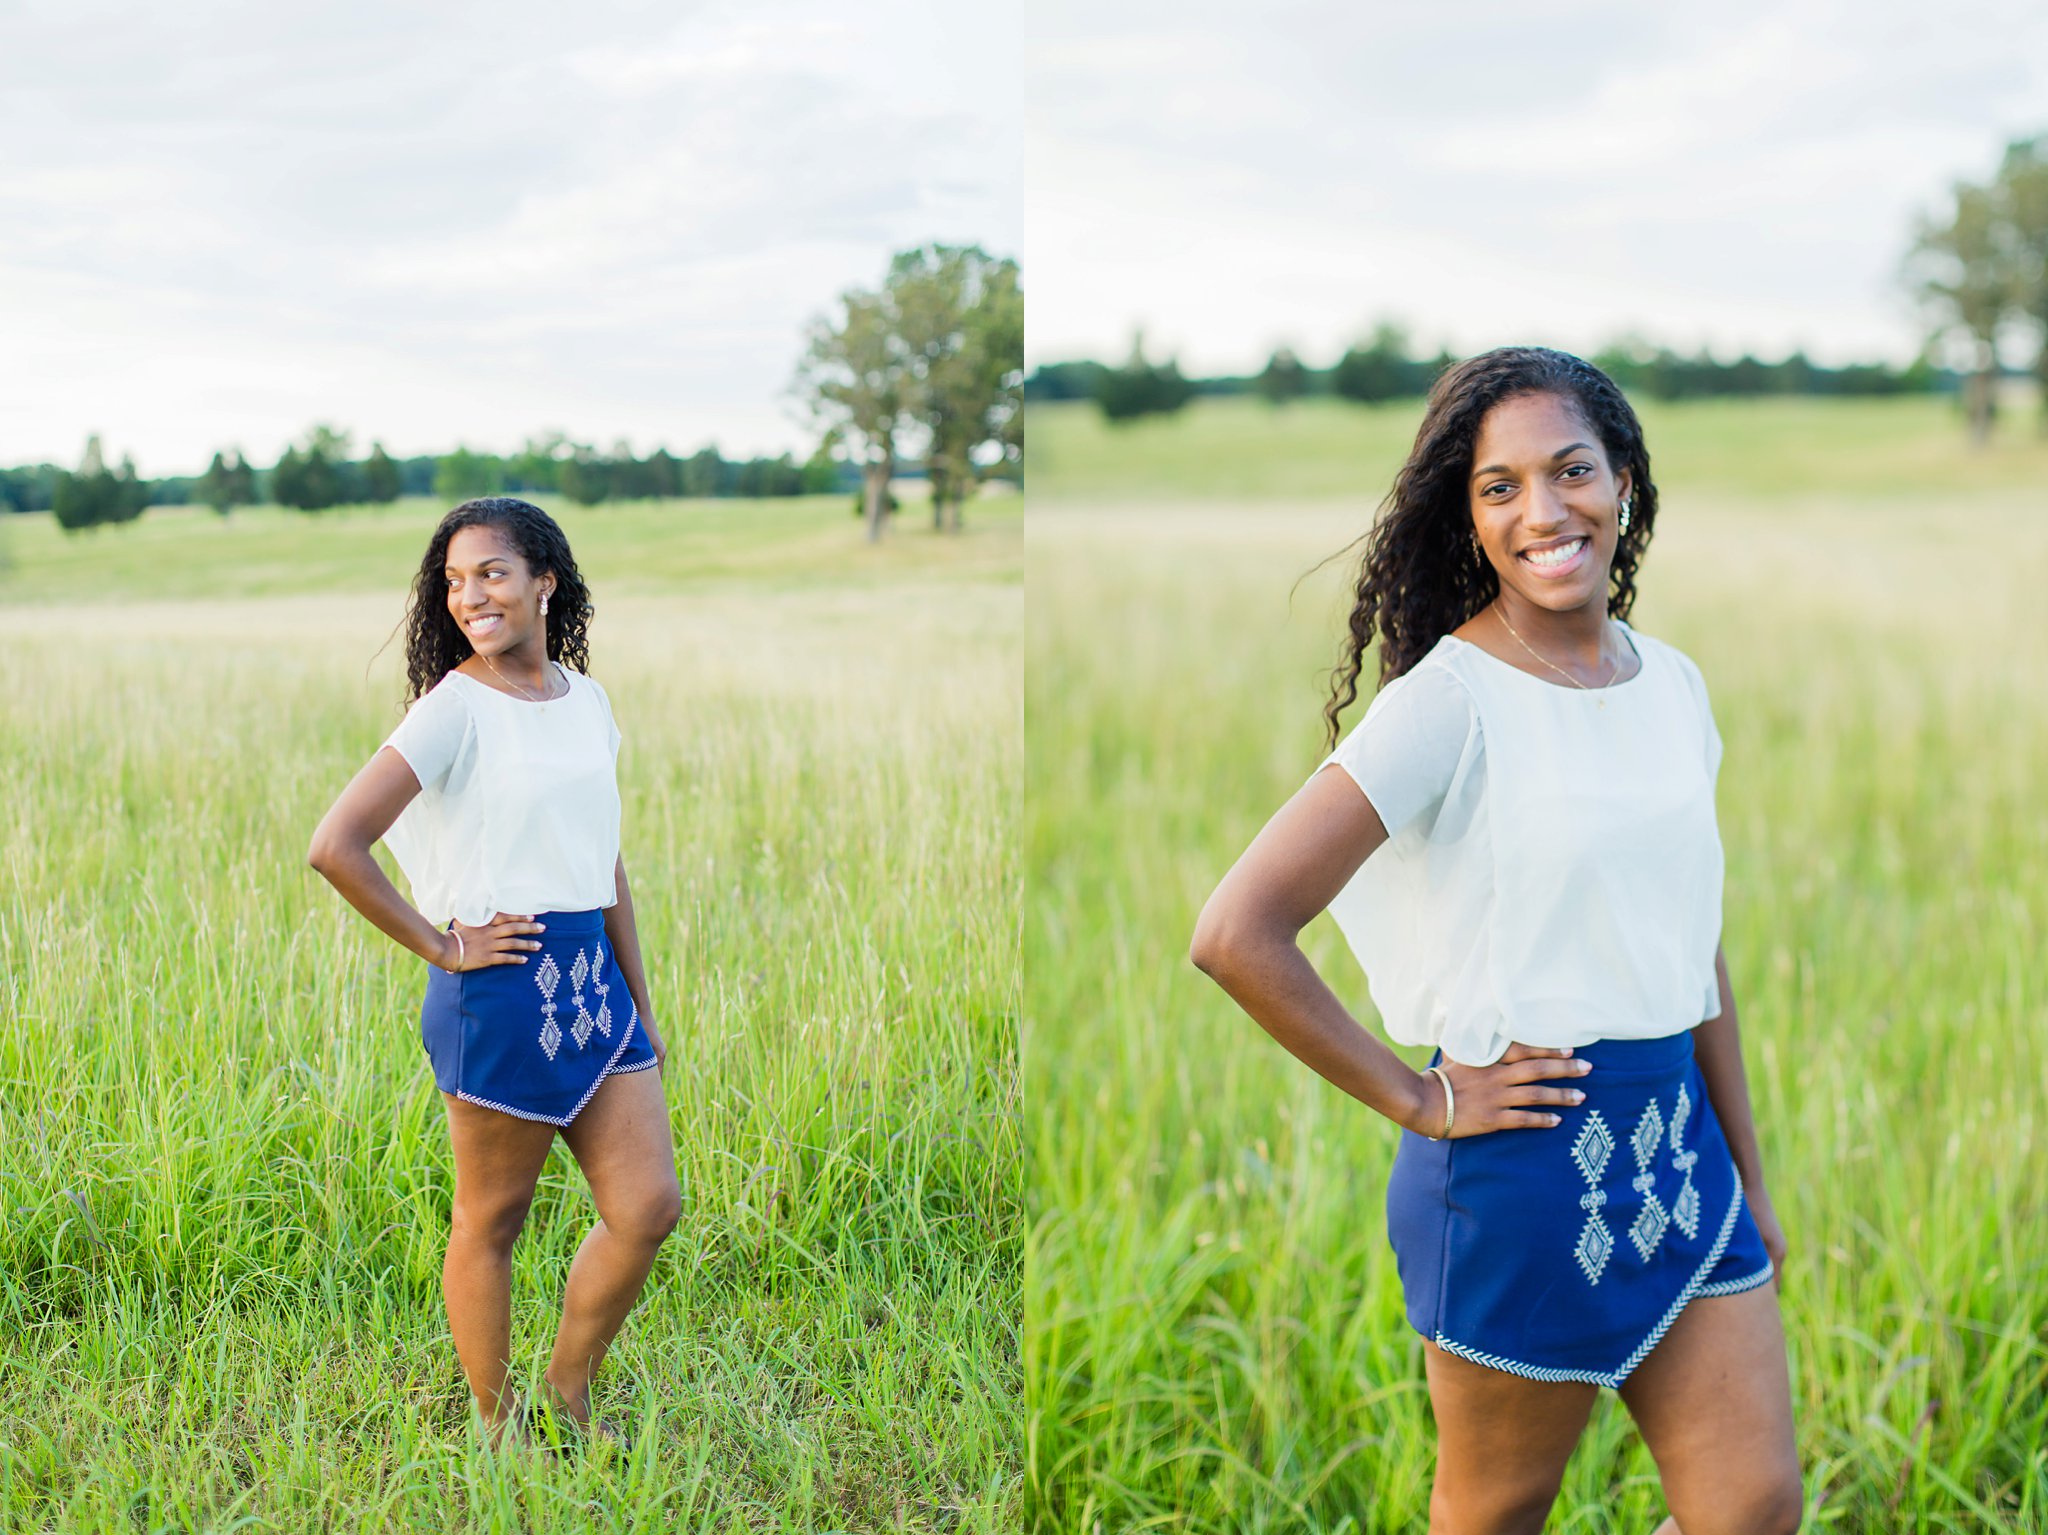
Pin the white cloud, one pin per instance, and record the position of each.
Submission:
(1744, 175)
(222, 222)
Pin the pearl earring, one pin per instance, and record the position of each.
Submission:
(1624, 516)
(544, 595)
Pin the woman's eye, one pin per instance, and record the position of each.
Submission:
(1574, 468)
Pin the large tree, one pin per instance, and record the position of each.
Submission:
(960, 316)
(1283, 378)
(585, 475)
(1139, 388)
(2022, 188)
(216, 487)
(464, 476)
(703, 473)
(312, 477)
(1961, 265)
(380, 476)
(1376, 369)
(855, 375)
(95, 494)
(538, 465)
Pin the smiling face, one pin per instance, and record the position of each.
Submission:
(1544, 501)
(493, 595)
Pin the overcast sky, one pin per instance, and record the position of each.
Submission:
(1742, 175)
(220, 223)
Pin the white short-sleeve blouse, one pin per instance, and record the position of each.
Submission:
(1552, 870)
(518, 809)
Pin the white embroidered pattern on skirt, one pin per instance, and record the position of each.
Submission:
(1591, 1151)
(580, 972)
(612, 1069)
(1696, 1286)
(547, 978)
(603, 1020)
(1651, 1220)
(1685, 1209)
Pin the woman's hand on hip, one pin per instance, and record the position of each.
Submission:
(501, 941)
(1520, 1091)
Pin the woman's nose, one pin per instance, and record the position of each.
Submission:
(1545, 507)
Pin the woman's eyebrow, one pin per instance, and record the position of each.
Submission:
(1572, 447)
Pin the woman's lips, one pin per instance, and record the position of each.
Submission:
(1556, 560)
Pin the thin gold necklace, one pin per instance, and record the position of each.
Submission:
(1501, 607)
(505, 679)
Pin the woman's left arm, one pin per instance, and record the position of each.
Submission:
(1717, 1045)
(625, 941)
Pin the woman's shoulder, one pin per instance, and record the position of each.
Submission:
(1434, 694)
(1654, 650)
(1444, 673)
(587, 685)
(449, 697)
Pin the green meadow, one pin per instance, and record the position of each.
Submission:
(224, 1170)
(1213, 1322)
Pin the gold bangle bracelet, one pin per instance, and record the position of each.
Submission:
(1450, 1104)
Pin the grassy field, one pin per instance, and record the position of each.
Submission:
(1214, 1334)
(224, 1172)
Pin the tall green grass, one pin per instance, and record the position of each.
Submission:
(1214, 1332)
(224, 1171)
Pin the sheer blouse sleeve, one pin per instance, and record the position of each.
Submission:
(1710, 1000)
(1404, 754)
(430, 735)
(611, 725)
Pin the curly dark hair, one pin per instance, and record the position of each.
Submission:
(1419, 580)
(435, 644)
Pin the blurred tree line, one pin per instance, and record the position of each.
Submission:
(1384, 367)
(318, 472)
(922, 374)
(929, 367)
(1980, 271)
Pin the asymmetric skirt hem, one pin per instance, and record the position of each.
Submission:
(1567, 1253)
(563, 1121)
(535, 1040)
(1697, 1289)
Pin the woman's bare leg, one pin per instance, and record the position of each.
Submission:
(498, 1159)
(1502, 1445)
(621, 1141)
(1713, 1400)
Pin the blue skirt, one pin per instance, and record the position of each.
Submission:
(535, 1040)
(1566, 1253)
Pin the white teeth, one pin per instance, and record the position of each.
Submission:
(1554, 556)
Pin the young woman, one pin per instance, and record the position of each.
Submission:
(498, 796)
(1518, 841)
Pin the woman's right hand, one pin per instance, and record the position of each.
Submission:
(500, 941)
(1511, 1094)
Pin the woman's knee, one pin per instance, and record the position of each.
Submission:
(1776, 1509)
(495, 1222)
(1493, 1509)
(648, 1216)
(1774, 1505)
